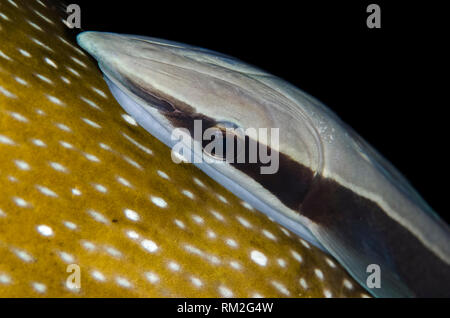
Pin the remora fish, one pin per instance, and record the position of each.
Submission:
(81, 183)
(330, 182)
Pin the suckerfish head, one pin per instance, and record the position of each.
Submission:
(328, 185)
(91, 204)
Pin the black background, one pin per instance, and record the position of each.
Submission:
(388, 83)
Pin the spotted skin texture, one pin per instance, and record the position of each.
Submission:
(81, 183)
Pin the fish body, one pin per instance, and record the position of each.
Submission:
(332, 188)
(83, 184)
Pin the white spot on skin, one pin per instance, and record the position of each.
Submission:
(318, 273)
(281, 288)
(222, 198)
(174, 266)
(235, 265)
(76, 192)
(91, 157)
(197, 219)
(21, 202)
(23, 255)
(43, 78)
(42, 4)
(66, 144)
(180, 224)
(34, 25)
(225, 292)
(231, 243)
(7, 93)
(65, 80)
(132, 215)
(98, 276)
(123, 282)
(211, 234)
(63, 127)
(13, 3)
(149, 245)
(247, 205)
(43, 17)
(21, 81)
(217, 215)
(90, 103)
(91, 123)
(197, 282)
(113, 252)
(133, 235)
(104, 146)
(78, 62)
(22, 165)
(327, 293)
(70, 225)
(39, 287)
(303, 283)
(18, 117)
(134, 142)
(46, 191)
(24, 53)
(330, 263)
(12, 179)
(281, 262)
(6, 57)
(66, 257)
(198, 182)
(187, 193)
(71, 70)
(348, 284)
(163, 174)
(58, 167)
(100, 92)
(88, 245)
(297, 256)
(305, 244)
(124, 182)
(269, 235)
(5, 279)
(4, 17)
(244, 222)
(45, 230)
(38, 142)
(129, 119)
(50, 62)
(258, 257)
(6, 140)
(55, 100)
(132, 162)
(158, 201)
(152, 277)
(98, 216)
(100, 188)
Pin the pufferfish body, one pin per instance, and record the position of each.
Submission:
(86, 190)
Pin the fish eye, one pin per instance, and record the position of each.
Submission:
(226, 125)
(222, 133)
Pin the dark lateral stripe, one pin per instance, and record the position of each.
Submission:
(290, 184)
(363, 225)
(359, 222)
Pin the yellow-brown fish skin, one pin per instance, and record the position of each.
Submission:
(82, 184)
